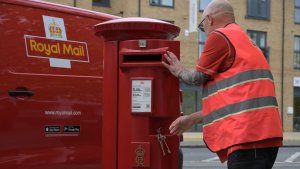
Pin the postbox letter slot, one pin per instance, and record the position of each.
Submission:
(141, 58)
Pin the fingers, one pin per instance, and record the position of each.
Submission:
(166, 65)
(174, 65)
(167, 56)
(176, 127)
(173, 125)
(171, 54)
(175, 130)
(171, 58)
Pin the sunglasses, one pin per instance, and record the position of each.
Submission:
(200, 26)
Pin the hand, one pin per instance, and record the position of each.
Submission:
(174, 67)
(180, 125)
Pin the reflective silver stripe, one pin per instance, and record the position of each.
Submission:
(244, 77)
(238, 108)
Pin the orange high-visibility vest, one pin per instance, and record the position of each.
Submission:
(239, 104)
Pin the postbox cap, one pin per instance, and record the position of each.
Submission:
(136, 28)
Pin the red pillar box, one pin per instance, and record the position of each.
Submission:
(141, 97)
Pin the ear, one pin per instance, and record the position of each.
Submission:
(210, 20)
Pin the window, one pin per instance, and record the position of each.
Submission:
(165, 3)
(203, 4)
(297, 52)
(260, 39)
(105, 3)
(297, 11)
(191, 102)
(296, 121)
(202, 39)
(259, 9)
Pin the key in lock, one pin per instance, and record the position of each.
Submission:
(162, 141)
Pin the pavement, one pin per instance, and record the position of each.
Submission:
(195, 140)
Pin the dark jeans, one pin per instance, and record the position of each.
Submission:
(260, 158)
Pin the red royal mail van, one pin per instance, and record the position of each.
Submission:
(51, 73)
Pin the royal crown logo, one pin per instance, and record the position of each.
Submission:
(140, 155)
(55, 30)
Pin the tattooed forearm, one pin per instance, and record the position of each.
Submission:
(193, 77)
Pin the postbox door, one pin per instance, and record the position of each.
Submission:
(148, 103)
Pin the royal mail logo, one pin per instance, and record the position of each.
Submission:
(42, 47)
(55, 30)
(55, 46)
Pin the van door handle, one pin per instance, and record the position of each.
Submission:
(15, 93)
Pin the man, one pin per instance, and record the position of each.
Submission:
(240, 116)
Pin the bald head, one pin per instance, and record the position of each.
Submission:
(221, 10)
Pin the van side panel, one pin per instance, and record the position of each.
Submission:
(51, 74)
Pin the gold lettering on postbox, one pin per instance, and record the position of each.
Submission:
(140, 155)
